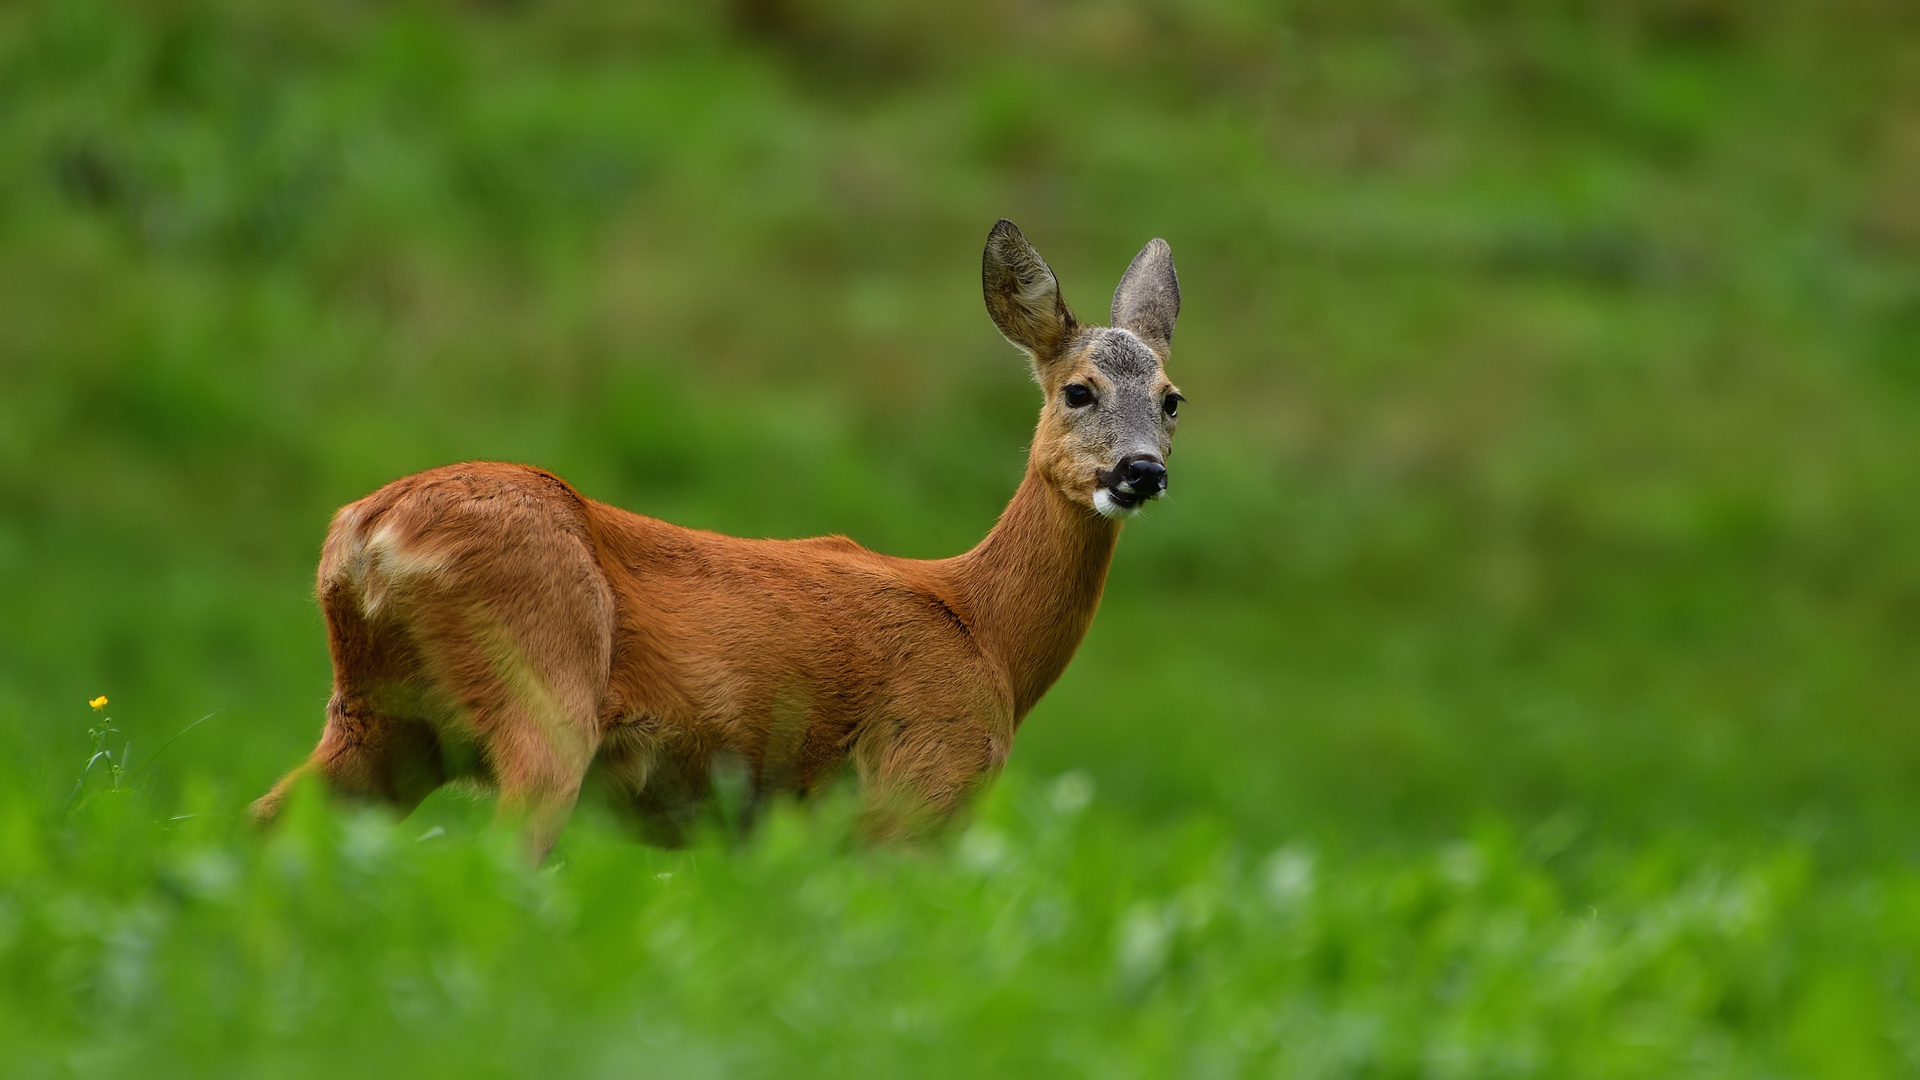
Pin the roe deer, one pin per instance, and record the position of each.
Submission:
(487, 620)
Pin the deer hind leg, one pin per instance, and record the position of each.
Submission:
(470, 602)
(531, 727)
(365, 754)
(526, 695)
(539, 760)
(371, 747)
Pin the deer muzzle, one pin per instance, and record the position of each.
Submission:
(1135, 479)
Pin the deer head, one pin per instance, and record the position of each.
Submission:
(1107, 425)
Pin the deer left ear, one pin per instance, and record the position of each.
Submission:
(1148, 299)
(1022, 296)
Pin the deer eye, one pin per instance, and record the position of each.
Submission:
(1078, 396)
(1171, 404)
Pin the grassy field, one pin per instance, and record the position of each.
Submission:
(1533, 628)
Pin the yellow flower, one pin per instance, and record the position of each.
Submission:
(99, 702)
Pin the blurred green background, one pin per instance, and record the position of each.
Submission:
(1555, 368)
(1553, 443)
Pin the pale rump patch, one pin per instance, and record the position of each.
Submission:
(391, 555)
(382, 560)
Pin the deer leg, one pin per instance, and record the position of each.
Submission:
(365, 754)
(373, 746)
(532, 721)
(539, 767)
(488, 616)
(915, 777)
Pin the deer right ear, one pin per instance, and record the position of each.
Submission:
(1022, 295)
(1148, 299)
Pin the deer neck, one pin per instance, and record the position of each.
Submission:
(1031, 587)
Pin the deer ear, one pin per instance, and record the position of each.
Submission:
(1148, 299)
(1022, 295)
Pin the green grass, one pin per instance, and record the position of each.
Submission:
(1519, 679)
(1056, 937)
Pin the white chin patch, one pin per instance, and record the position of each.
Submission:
(1103, 502)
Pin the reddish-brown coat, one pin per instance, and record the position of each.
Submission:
(492, 606)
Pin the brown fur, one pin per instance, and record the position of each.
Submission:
(488, 620)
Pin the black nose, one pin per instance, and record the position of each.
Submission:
(1145, 475)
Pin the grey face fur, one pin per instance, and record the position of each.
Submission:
(1106, 429)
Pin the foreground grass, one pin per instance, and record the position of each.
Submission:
(1053, 937)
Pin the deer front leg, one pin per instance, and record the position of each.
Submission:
(914, 776)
